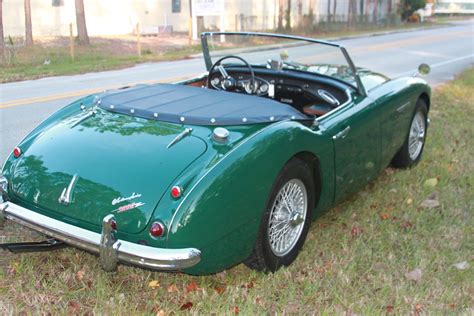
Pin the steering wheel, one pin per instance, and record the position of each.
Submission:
(229, 82)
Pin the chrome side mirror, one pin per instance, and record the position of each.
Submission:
(424, 69)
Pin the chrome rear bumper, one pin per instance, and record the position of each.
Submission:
(110, 249)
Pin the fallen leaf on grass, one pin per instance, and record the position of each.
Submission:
(417, 309)
(384, 216)
(154, 284)
(13, 267)
(186, 306)
(80, 275)
(461, 265)
(219, 289)
(389, 308)
(356, 231)
(432, 182)
(191, 287)
(431, 201)
(73, 307)
(414, 275)
(235, 310)
(405, 225)
(172, 288)
(161, 313)
(158, 311)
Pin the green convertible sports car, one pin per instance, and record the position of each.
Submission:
(228, 167)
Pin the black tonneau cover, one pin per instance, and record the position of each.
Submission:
(192, 105)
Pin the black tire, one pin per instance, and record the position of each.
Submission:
(403, 159)
(262, 257)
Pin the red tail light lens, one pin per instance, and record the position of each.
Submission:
(176, 192)
(16, 152)
(113, 225)
(157, 229)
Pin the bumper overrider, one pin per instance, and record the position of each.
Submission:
(110, 249)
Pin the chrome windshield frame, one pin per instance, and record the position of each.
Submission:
(208, 61)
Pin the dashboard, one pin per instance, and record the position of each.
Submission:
(296, 89)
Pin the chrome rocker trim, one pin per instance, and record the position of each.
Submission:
(110, 249)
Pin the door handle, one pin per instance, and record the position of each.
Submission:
(342, 134)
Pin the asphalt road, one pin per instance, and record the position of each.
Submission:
(23, 105)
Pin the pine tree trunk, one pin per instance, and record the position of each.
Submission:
(349, 13)
(376, 11)
(334, 11)
(329, 11)
(354, 11)
(288, 16)
(280, 15)
(2, 37)
(28, 27)
(81, 23)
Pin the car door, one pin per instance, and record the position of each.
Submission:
(396, 109)
(355, 132)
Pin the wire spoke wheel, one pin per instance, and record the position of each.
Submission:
(416, 137)
(287, 217)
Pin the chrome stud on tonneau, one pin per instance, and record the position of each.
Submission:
(108, 244)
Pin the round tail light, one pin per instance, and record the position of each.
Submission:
(176, 192)
(157, 229)
(16, 152)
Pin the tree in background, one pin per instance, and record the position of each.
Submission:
(376, 11)
(361, 10)
(81, 23)
(280, 14)
(28, 27)
(410, 6)
(334, 11)
(2, 37)
(352, 12)
(288, 16)
(329, 11)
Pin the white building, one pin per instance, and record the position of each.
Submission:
(113, 17)
(454, 7)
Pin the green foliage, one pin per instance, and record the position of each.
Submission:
(410, 6)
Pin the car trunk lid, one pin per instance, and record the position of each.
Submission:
(87, 167)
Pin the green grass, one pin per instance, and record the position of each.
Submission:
(107, 54)
(29, 62)
(355, 259)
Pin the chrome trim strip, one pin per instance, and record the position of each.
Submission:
(65, 197)
(340, 107)
(402, 107)
(84, 117)
(127, 252)
(180, 136)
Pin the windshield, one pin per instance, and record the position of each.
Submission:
(281, 52)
